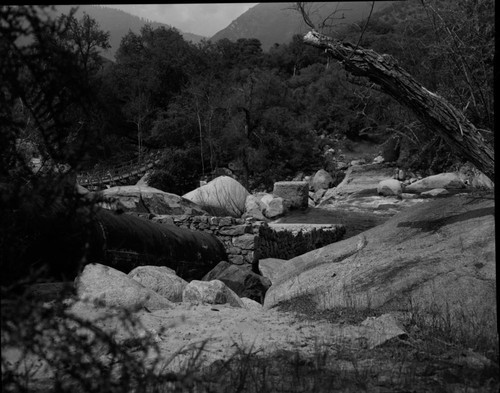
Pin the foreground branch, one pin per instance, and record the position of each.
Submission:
(432, 110)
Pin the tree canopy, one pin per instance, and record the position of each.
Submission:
(269, 115)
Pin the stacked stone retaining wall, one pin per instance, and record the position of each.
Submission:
(248, 241)
(286, 241)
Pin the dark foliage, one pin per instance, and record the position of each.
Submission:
(46, 111)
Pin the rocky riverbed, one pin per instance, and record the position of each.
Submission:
(406, 301)
(426, 267)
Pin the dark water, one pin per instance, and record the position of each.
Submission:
(354, 222)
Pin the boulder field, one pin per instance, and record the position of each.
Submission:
(437, 256)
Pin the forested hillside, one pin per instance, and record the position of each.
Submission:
(269, 115)
(118, 23)
(273, 23)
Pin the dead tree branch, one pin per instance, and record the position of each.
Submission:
(432, 110)
(309, 13)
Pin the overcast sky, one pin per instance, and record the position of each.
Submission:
(203, 19)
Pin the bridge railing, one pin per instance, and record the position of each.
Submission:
(120, 172)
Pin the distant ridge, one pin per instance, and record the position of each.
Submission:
(118, 23)
(277, 23)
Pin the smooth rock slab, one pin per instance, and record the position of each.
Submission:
(144, 199)
(437, 255)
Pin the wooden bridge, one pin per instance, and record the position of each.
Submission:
(127, 173)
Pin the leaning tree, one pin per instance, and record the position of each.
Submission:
(384, 74)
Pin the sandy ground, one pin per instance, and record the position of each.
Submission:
(223, 331)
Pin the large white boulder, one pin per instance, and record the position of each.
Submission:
(221, 196)
(115, 289)
(160, 279)
(450, 180)
(321, 180)
(144, 199)
(389, 187)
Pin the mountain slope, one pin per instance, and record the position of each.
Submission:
(118, 23)
(277, 22)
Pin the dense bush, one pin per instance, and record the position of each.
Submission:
(178, 172)
(46, 104)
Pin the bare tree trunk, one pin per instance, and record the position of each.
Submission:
(432, 110)
(201, 138)
(139, 140)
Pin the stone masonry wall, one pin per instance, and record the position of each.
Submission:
(248, 241)
(286, 241)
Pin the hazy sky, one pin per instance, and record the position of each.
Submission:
(203, 19)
